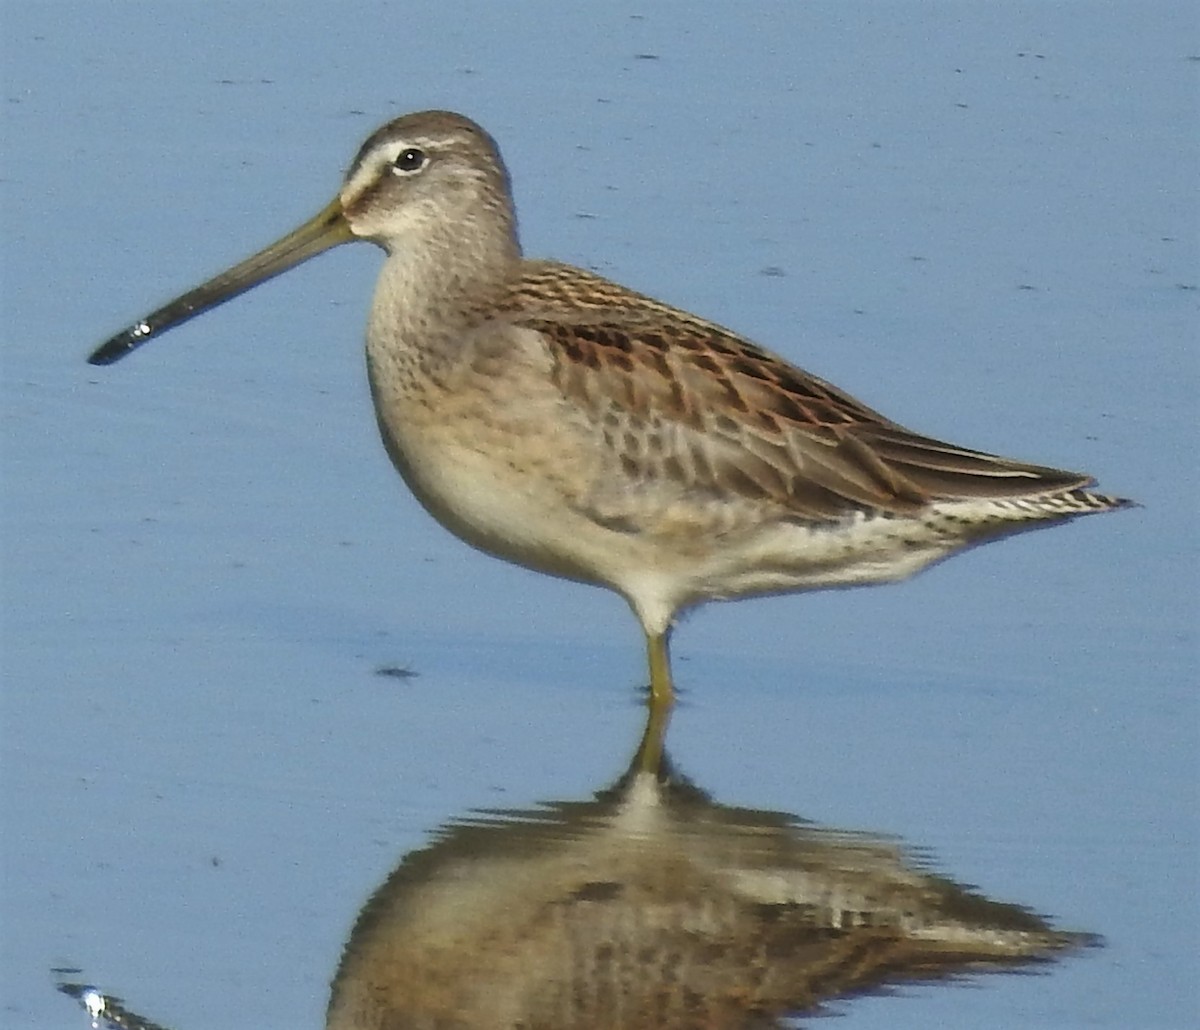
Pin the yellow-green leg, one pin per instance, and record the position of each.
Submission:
(662, 690)
(649, 756)
(650, 752)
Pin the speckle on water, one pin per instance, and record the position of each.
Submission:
(399, 672)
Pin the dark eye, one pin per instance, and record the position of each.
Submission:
(411, 159)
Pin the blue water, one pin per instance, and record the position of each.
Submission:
(981, 219)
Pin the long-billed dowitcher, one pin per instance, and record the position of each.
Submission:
(560, 421)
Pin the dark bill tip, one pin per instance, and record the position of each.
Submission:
(116, 347)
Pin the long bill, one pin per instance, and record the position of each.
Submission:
(326, 230)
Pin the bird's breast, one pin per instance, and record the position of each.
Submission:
(473, 446)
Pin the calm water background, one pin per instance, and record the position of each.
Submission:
(980, 218)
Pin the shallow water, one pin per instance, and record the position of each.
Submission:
(985, 225)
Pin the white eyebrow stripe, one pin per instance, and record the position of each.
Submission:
(371, 166)
(364, 174)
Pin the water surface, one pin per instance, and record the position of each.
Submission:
(981, 220)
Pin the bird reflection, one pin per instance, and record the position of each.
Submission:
(649, 906)
(653, 906)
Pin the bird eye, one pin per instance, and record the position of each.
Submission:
(409, 160)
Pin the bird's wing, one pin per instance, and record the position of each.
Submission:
(674, 397)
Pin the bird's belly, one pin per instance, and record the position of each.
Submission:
(504, 495)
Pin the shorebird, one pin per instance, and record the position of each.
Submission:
(558, 420)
